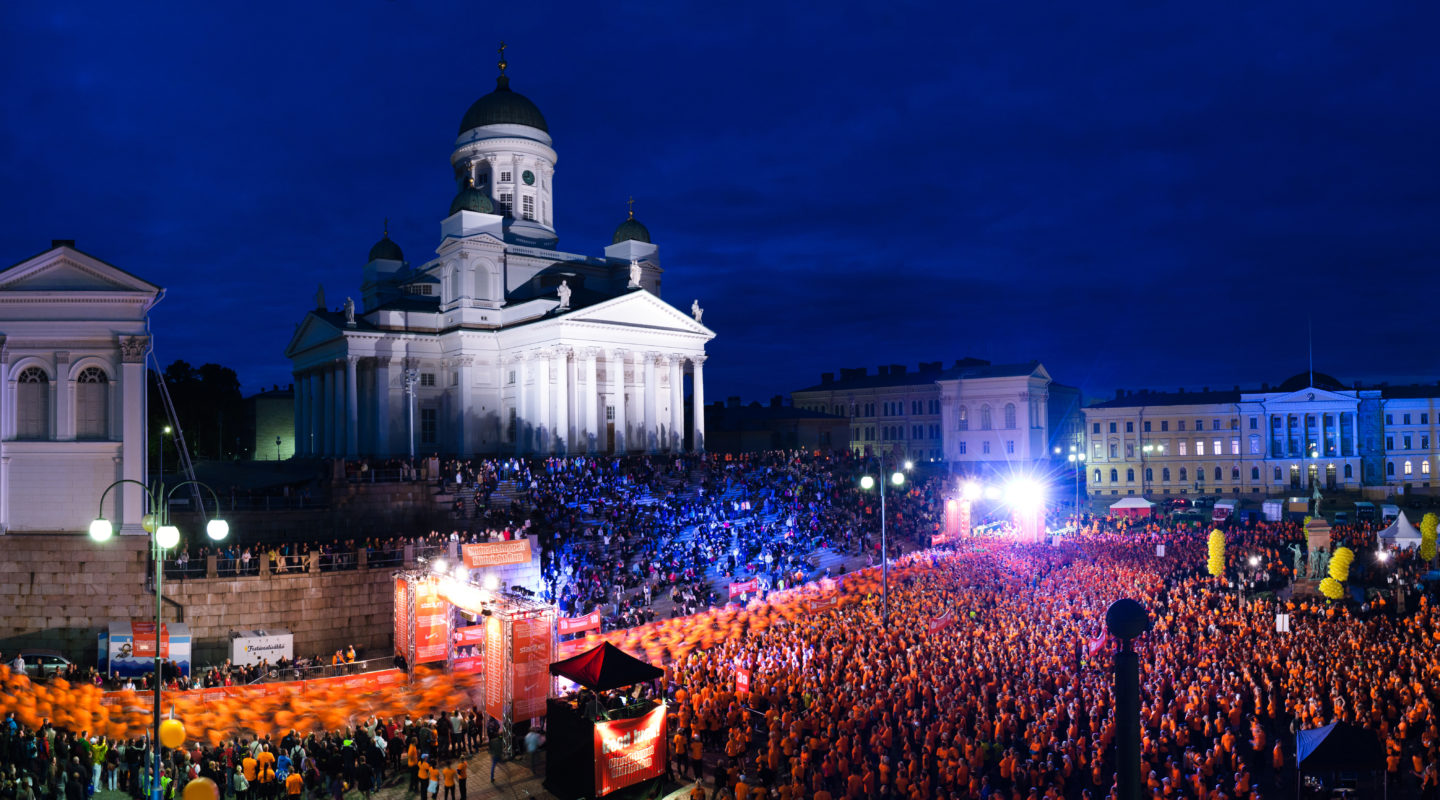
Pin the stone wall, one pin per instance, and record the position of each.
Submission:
(60, 591)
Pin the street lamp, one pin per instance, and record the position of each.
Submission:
(1077, 463)
(867, 483)
(277, 448)
(164, 536)
(412, 377)
(165, 431)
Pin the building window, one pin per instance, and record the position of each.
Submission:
(1405, 419)
(917, 432)
(1408, 469)
(1217, 474)
(1096, 428)
(1406, 439)
(1181, 445)
(1199, 424)
(1112, 427)
(1389, 442)
(934, 406)
(1130, 476)
(1218, 450)
(427, 425)
(32, 419)
(454, 377)
(1235, 447)
(1254, 473)
(1390, 420)
(1114, 450)
(1255, 444)
(1114, 476)
(1099, 450)
(1277, 473)
(962, 448)
(1010, 446)
(1425, 466)
(1165, 474)
(1164, 425)
(505, 176)
(963, 419)
(506, 201)
(1129, 426)
(511, 379)
(985, 448)
(92, 404)
(1147, 426)
(1234, 473)
(1424, 441)
(1180, 426)
(1009, 416)
(985, 418)
(1348, 472)
(1254, 423)
(1199, 447)
(1183, 475)
(527, 206)
(1149, 474)
(510, 427)
(1390, 468)
(427, 379)
(915, 406)
(1097, 476)
(609, 413)
(1424, 418)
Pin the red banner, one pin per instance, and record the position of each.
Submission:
(468, 665)
(402, 613)
(495, 676)
(496, 554)
(589, 622)
(530, 645)
(431, 621)
(943, 621)
(144, 639)
(742, 681)
(629, 751)
(823, 604)
(752, 585)
(470, 634)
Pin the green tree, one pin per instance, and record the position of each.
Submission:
(208, 405)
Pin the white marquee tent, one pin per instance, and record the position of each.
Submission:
(1401, 534)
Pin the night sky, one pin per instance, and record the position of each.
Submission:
(1136, 194)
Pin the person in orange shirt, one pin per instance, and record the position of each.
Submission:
(447, 777)
(247, 767)
(294, 785)
(462, 777)
(412, 760)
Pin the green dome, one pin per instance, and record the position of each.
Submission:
(472, 198)
(631, 230)
(503, 107)
(386, 249)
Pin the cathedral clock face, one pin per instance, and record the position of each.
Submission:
(528, 177)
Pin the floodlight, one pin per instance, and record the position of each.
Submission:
(462, 573)
(898, 479)
(438, 566)
(971, 491)
(1024, 494)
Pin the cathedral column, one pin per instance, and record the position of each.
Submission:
(463, 427)
(562, 400)
(697, 404)
(589, 399)
(652, 415)
(637, 396)
(615, 373)
(64, 427)
(315, 398)
(133, 447)
(675, 441)
(382, 405)
(543, 425)
(522, 408)
(327, 411)
(297, 405)
(352, 408)
(337, 409)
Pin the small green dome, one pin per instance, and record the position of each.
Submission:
(387, 250)
(503, 107)
(631, 230)
(472, 198)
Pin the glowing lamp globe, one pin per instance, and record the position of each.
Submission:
(148, 523)
(100, 530)
(167, 536)
(867, 482)
(909, 465)
(172, 733)
(1254, 561)
(201, 789)
(898, 479)
(1126, 619)
(217, 529)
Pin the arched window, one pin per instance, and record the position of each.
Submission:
(1408, 468)
(1149, 474)
(1010, 416)
(1425, 467)
(1165, 474)
(985, 417)
(964, 418)
(1184, 475)
(92, 404)
(1114, 476)
(1254, 473)
(1277, 472)
(1390, 468)
(1217, 474)
(1097, 476)
(1348, 472)
(32, 412)
(1234, 473)
(1129, 476)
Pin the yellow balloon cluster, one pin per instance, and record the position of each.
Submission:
(1332, 589)
(1428, 525)
(1340, 564)
(1217, 553)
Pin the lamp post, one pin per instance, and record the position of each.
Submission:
(277, 448)
(412, 377)
(1126, 620)
(1077, 462)
(867, 483)
(163, 536)
(165, 431)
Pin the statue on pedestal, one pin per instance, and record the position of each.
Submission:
(1296, 556)
(634, 275)
(350, 312)
(563, 292)
(1316, 496)
(696, 311)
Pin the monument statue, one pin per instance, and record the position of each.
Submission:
(1296, 555)
(1317, 497)
(320, 297)
(350, 311)
(634, 275)
(563, 292)
(696, 311)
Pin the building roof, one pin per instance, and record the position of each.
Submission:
(472, 198)
(720, 416)
(1295, 383)
(503, 107)
(631, 230)
(1145, 397)
(386, 249)
(900, 375)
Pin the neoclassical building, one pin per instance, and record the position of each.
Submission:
(74, 335)
(502, 343)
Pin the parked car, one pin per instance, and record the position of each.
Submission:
(44, 663)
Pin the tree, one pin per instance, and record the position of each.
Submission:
(209, 408)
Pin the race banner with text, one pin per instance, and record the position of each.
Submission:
(496, 554)
(589, 622)
(470, 635)
(629, 751)
(752, 585)
(432, 615)
(144, 639)
(495, 676)
(402, 614)
(943, 621)
(823, 603)
(742, 680)
(530, 644)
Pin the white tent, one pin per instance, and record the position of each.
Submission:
(1132, 502)
(1401, 534)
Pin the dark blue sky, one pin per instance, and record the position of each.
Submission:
(1137, 194)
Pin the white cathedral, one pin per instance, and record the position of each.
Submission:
(502, 343)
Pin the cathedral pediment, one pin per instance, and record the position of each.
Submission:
(639, 309)
(313, 332)
(66, 270)
(1311, 395)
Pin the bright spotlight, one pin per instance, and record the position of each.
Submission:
(898, 479)
(462, 573)
(1383, 556)
(867, 483)
(909, 465)
(439, 566)
(1254, 561)
(992, 492)
(492, 583)
(1024, 494)
(167, 536)
(971, 491)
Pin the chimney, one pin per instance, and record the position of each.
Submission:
(827, 377)
(733, 401)
(882, 370)
(54, 243)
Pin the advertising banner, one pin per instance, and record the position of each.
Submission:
(468, 665)
(469, 635)
(402, 626)
(752, 585)
(589, 622)
(530, 644)
(823, 604)
(742, 681)
(629, 751)
(143, 632)
(252, 647)
(495, 676)
(943, 621)
(431, 623)
(496, 554)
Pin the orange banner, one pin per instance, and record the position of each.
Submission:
(144, 639)
(589, 622)
(530, 644)
(629, 751)
(470, 634)
(402, 613)
(495, 676)
(496, 554)
(431, 621)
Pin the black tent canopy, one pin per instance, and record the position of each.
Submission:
(605, 667)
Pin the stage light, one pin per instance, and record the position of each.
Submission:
(438, 566)
(1024, 494)
(992, 493)
(1383, 556)
(492, 583)
(909, 465)
(462, 573)
(971, 491)
(1254, 561)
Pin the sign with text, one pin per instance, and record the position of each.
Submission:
(468, 665)
(823, 603)
(742, 681)
(495, 676)
(496, 554)
(144, 638)
(589, 622)
(752, 585)
(469, 635)
(402, 617)
(943, 621)
(629, 751)
(432, 614)
(530, 644)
